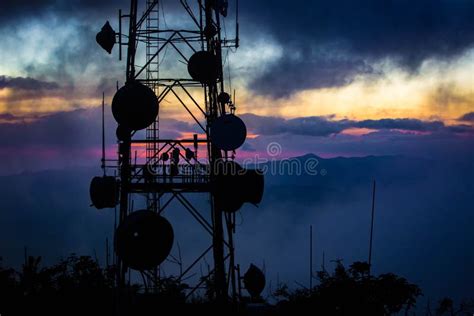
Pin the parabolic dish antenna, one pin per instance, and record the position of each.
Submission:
(144, 240)
(202, 67)
(228, 132)
(135, 106)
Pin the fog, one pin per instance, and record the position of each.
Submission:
(423, 222)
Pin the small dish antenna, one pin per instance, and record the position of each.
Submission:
(228, 132)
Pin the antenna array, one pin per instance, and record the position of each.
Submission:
(170, 170)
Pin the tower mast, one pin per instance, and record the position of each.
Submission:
(167, 170)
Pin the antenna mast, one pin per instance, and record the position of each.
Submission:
(167, 170)
(372, 228)
(103, 134)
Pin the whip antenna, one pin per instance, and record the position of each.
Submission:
(103, 133)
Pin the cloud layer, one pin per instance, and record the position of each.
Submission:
(337, 39)
(73, 138)
(468, 117)
(324, 44)
(26, 83)
(326, 126)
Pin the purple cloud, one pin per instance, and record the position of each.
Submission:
(73, 138)
(468, 117)
(324, 126)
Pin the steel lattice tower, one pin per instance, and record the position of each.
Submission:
(155, 178)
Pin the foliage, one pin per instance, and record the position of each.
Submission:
(7, 280)
(351, 291)
(172, 289)
(78, 285)
(446, 306)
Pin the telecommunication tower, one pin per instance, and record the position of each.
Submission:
(165, 170)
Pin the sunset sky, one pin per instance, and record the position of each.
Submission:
(388, 85)
(333, 78)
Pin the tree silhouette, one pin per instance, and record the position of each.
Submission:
(74, 286)
(77, 285)
(351, 292)
(446, 307)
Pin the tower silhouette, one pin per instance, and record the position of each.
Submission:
(168, 170)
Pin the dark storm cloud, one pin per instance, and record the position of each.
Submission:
(326, 43)
(26, 83)
(325, 126)
(17, 10)
(468, 117)
(406, 31)
(23, 9)
(306, 72)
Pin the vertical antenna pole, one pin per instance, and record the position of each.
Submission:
(125, 145)
(215, 155)
(311, 257)
(120, 34)
(372, 228)
(103, 132)
(239, 279)
(107, 252)
(132, 41)
(230, 231)
(237, 31)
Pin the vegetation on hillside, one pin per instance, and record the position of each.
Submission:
(78, 285)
